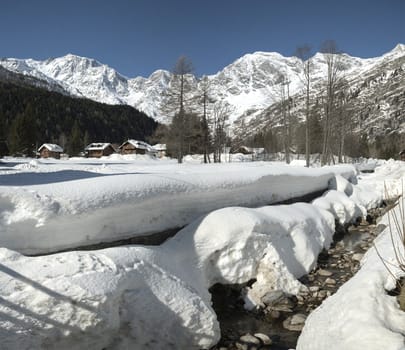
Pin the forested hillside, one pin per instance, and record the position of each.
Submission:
(31, 115)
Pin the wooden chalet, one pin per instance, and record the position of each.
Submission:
(160, 149)
(98, 149)
(50, 150)
(242, 149)
(402, 155)
(137, 147)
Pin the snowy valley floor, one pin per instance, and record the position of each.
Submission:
(144, 297)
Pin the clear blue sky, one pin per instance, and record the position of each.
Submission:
(136, 37)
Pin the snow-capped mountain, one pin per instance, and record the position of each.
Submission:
(250, 85)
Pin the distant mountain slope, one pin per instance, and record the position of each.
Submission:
(52, 116)
(250, 85)
(375, 96)
(26, 80)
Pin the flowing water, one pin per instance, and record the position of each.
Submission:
(335, 266)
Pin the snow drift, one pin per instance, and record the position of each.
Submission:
(361, 315)
(108, 200)
(157, 297)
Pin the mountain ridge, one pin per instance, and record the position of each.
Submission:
(250, 84)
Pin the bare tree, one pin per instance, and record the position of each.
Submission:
(304, 54)
(175, 103)
(204, 98)
(343, 119)
(220, 116)
(285, 106)
(333, 62)
(182, 67)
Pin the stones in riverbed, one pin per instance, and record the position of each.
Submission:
(248, 338)
(264, 338)
(252, 342)
(324, 273)
(277, 301)
(272, 298)
(335, 267)
(322, 294)
(243, 346)
(357, 256)
(275, 314)
(330, 281)
(295, 322)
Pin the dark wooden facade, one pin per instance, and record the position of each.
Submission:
(136, 147)
(50, 150)
(99, 150)
(46, 153)
(129, 148)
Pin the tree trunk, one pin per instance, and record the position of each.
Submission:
(307, 150)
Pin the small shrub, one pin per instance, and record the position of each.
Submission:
(396, 225)
(401, 297)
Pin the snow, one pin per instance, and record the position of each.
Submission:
(108, 299)
(51, 147)
(361, 315)
(97, 146)
(250, 84)
(159, 147)
(112, 198)
(157, 297)
(139, 144)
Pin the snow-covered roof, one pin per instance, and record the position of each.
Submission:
(51, 147)
(97, 146)
(159, 147)
(139, 145)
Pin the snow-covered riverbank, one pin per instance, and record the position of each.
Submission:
(48, 206)
(157, 297)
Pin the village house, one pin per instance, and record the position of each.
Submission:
(98, 149)
(257, 153)
(242, 149)
(160, 149)
(50, 150)
(137, 147)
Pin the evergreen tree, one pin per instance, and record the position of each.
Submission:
(86, 139)
(31, 116)
(23, 133)
(75, 145)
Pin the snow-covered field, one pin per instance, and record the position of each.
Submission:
(53, 205)
(157, 297)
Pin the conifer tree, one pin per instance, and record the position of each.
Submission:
(23, 133)
(75, 145)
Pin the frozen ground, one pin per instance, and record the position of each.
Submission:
(157, 297)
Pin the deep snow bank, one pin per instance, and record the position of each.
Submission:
(50, 206)
(99, 300)
(156, 297)
(361, 315)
